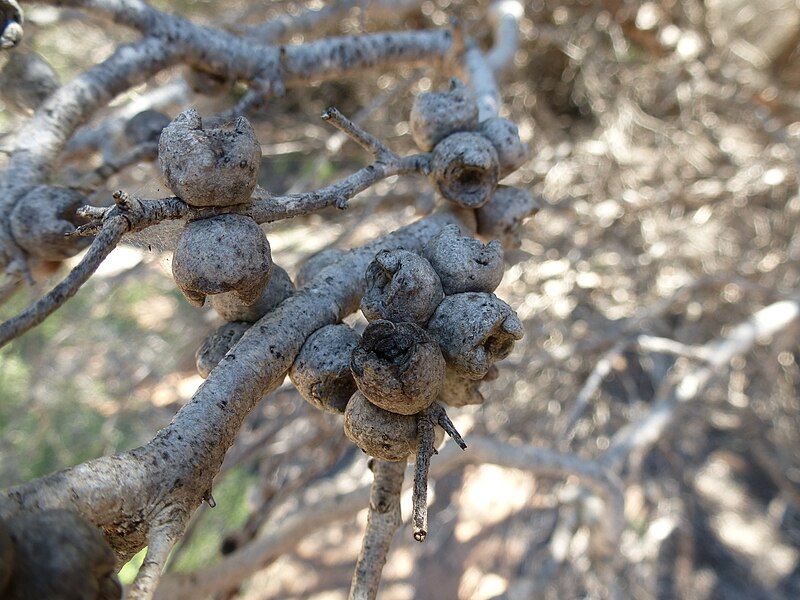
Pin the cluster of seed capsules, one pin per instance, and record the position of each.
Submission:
(435, 326)
(469, 157)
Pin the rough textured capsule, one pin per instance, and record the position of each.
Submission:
(321, 371)
(26, 80)
(461, 391)
(380, 433)
(145, 127)
(475, 330)
(59, 556)
(217, 345)
(465, 264)
(465, 169)
(226, 253)
(41, 219)
(398, 367)
(512, 152)
(315, 263)
(401, 286)
(435, 115)
(503, 216)
(231, 308)
(209, 167)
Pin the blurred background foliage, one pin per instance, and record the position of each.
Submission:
(665, 138)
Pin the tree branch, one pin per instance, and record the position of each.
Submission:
(287, 534)
(177, 467)
(137, 214)
(383, 521)
(101, 247)
(641, 434)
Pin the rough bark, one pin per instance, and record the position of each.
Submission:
(383, 521)
(123, 493)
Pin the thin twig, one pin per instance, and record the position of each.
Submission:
(159, 543)
(641, 434)
(91, 181)
(285, 535)
(101, 247)
(439, 414)
(364, 139)
(426, 440)
(593, 382)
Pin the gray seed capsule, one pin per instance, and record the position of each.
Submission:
(226, 253)
(503, 216)
(380, 433)
(474, 330)
(465, 169)
(398, 367)
(321, 371)
(465, 264)
(435, 115)
(217, 345)
(401, 286)
(231, 308)
(41, 219)
(512, 152)
(60, 556)
(209, 167)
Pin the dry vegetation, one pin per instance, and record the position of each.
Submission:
(665, 140)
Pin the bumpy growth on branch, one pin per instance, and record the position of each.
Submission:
(26, 80)
(398, 367)
(230, 306)
(42, 220)
(209, 166)
(227, 253)
(321, 371)
(475, 330)
(463, 263)
(401, 286)
(217, 345)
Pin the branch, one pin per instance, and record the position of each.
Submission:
(383, 521)
(311, 18)
(426, 439)
(128, 214)
(640, 435)
(91, 181)
(505, 16)
(287, 534)
(178, 465)
(42, 138)
(101, 247)
(161, 539)
(269, 68)
(138, 214)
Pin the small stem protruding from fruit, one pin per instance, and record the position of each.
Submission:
(426, 447)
